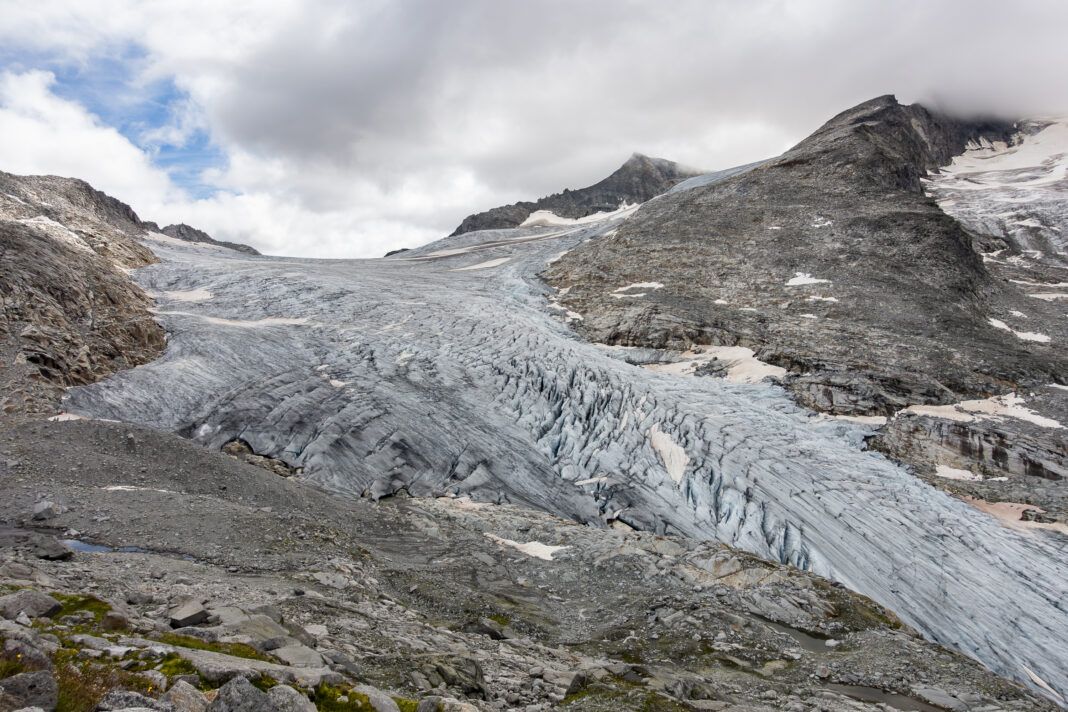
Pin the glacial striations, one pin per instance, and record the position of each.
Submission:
(636, 181)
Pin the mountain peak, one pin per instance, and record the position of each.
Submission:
(640, 178)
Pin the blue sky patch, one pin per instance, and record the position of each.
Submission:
(108, 86)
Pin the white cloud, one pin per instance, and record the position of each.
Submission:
(351, 128)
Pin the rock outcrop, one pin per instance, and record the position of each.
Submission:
(182, 231)
(636, 181)
(829, 261)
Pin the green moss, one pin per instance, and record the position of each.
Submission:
(76, 604)
(406, 705)
(238, 650)
(174, 664)
(620, 695)
(264, 682)
(500, 618)
(326, 699)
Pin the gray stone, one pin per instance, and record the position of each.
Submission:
(428, 704)
(286, 699)
(44, 510)
(239, 695)
(127, 699)
(28, 653)
(187, 614)
(33, 603)
(380, 701)
(29, 689)
(186, 697)
(298, 655)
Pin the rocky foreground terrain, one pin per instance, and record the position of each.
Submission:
(205, 571)
(408, 484)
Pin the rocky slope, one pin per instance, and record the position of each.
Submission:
(892, 265)
(636, 181)
(831, 262)
(204, 571)
(182, 231)
(71, 314)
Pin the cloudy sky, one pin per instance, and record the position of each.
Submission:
(335, 128)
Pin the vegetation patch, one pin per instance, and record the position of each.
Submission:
(13, 665)
(620, 695)
(328, 698)
(237, 650)
(77, 604)
(264, 682)
(81, 687)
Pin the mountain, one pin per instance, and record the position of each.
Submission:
(182, 231)
(636, 181)
(548, 466)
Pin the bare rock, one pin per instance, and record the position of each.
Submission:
(29, 689)
(33, 603)
(188, 613)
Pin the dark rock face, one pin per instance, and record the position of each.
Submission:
(829, 261)
(182, 231)
(70, 317)
(636, 181)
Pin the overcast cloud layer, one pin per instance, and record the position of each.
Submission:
(342, 129)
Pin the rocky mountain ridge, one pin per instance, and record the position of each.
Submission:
(637, 180)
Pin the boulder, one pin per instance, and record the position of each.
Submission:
(239, 695)
(33, 603)
(186, 697)
(188, 613)
(44, 510)
(127, 700)
(29, 689)
(380, 701)
(298, 656)
(286, 699)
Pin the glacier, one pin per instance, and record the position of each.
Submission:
(418, 373)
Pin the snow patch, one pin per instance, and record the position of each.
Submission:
(57, 232)
(674, 457)
(483, 265)
(640, 285)
(188, 295)
(1006, 406)
(862, 419)
(953, 473)
(531, 548)
(1050, 296)
(1008, 515)
(821, 299)
(1023, 335)
(547, 218)
(802, 278)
